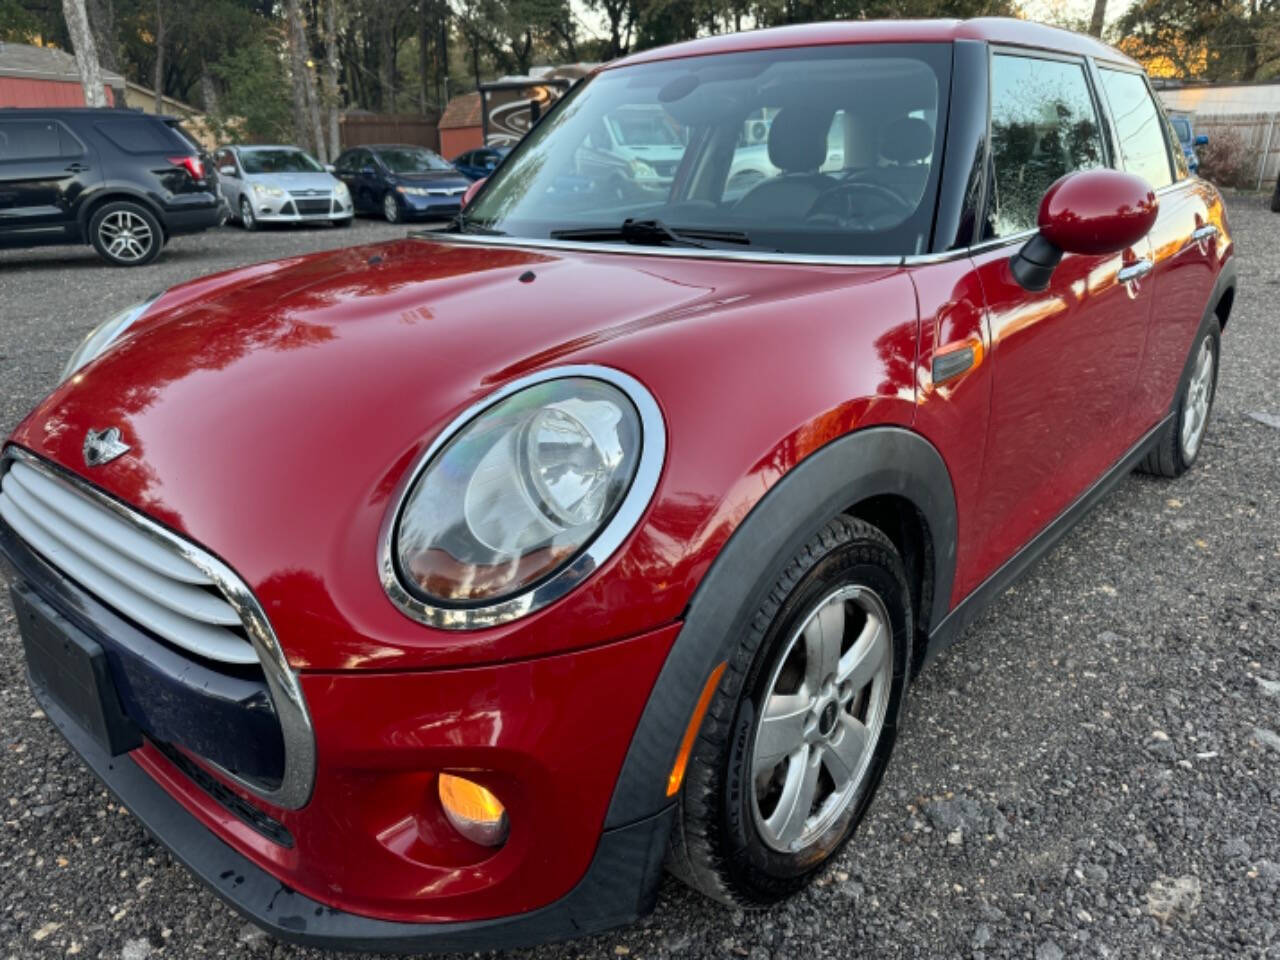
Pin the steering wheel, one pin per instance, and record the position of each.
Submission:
(839, 204)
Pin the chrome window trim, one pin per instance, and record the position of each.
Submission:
(653, 446)
(291, 707)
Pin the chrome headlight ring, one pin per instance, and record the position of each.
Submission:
(592, 554)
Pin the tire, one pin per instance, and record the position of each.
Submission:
(391, 208)
(732, 839)
(1275, 197)
(247, 219)
(126, 234)
(1183, 437)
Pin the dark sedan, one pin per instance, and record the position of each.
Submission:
(401, 182)
(479, 163)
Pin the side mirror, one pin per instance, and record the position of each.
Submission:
(227, 171)
(1202, 139)
(1091, 212)
(472, 191)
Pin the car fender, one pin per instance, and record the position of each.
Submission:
(873, 462)
(116, 190)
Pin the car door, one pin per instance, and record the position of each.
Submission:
(230, 184)
(43, 169)
(1065, 360)
(1187, 240)
(347, 169)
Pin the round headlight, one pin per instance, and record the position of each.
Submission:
(522, 498)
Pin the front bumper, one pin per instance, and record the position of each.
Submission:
(370, 861)
(620, 885)
(430, 207)
(300, 209)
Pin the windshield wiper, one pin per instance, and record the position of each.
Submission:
(657, 233)
(462, 224)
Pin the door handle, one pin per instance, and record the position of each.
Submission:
(1134, 271)
(1207, 232)
(77, 167)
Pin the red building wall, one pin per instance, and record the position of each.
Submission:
(29, 92)
(456, 140)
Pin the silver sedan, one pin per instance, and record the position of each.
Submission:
(279, 184)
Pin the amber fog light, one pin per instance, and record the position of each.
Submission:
(474, 812)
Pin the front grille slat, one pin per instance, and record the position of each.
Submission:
(188, 616)
(113, 532)
(189, 601)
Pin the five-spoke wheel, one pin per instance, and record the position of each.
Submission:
(822, 717)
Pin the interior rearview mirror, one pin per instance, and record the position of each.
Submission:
(1090, 212)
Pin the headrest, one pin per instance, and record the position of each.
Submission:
(798, 139)
(906, 140)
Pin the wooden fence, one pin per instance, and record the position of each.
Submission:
(357, 129)
(1261, 135)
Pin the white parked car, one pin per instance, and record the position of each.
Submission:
(280, 184)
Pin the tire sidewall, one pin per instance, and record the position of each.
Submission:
(759, 867)
(388, 207)
(1211, 331)
(157, 233)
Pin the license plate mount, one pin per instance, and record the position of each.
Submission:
(70, 667)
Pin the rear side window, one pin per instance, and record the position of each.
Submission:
(140, 135)
(36, 140)
(1044, 125)
(1139, 127)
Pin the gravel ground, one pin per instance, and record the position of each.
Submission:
(1093, 772)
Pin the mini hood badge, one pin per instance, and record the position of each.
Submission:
(103, 446)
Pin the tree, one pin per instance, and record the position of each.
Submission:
(158, 84)
(306, 107)
(1099, 17)
(86, 52)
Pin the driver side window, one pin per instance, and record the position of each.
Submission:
(1043, 125)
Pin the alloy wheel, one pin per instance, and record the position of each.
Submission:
(390, 209)
(126, 236)
(1195, 411)
(246, 213)
(821, 718)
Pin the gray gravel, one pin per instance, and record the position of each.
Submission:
(1093, 772)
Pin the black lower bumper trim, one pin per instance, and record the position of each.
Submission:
(620, 885)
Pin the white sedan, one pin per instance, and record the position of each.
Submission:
(280, 184)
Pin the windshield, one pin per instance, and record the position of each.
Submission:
(278, 161)
(645, 128)
(412, 160)
(826, 150)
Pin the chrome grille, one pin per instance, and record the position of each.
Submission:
(149, 582)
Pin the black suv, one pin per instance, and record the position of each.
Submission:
(121, 180)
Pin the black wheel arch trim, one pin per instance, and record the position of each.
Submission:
(868, 463)
(105, 193)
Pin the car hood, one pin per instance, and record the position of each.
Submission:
(273, 411)
(441, 178)
(295, 181)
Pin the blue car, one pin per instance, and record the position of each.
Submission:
(401, 182)
(481, 162)
(1181, 123)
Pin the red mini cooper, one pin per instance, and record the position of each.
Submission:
(439, 593)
